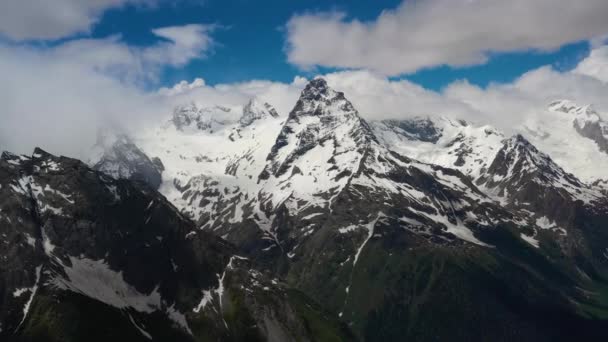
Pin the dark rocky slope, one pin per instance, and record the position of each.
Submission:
(87, 257)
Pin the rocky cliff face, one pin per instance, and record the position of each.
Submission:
(256, 110)
(93, 258)
(124, 159)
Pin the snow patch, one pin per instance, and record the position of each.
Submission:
(531, 240)
(95, 279)
(33, 290)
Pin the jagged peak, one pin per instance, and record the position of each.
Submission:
(519, 165)
(563, 106)
(319, 99)
(183, 115)
(194, 109)
(203, 118)
(521, 150)
(422, 128)
(316, 85)
(518, 141)
(40, 153)
(320, 115)
(571, 107)
(190, 106)
(9, 156)
(584, 117)
(255, 109)
(423, 119)
(16, 158)
(318, 90)
(432, 120)
(39, 159)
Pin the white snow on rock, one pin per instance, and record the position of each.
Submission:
(458, 228)
(95, 279)
(225, 158)
(32, 290)
(552, 131)
(140, 329)
(531, 240)
(458, 145)
(218, 292)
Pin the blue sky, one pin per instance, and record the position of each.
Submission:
(250, 42)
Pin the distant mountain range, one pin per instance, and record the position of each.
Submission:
(239, 223)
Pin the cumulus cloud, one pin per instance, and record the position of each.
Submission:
(282, 96)
(60, 105)
(179, 45)
(508, 105)
(377, 97)
(183, 43)
(59, 97)
(504, 106)
(182, 87)
(596, 65)
(45, 19)
(421, 34)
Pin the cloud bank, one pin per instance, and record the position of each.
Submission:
(423, 34)
(59, 97)
(52, 19)
(595, 65)
(377, 97)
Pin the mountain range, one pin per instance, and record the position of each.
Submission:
(239, 223)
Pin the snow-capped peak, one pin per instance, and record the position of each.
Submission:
(256, 110)
(418, 128)
(570, 107)
(520, 169)
(320, 144)
(318, 99)
(321, 114)
(518, 149)
(317, 89)
(451, 143)
(205, 118)
(586, 118)
(586, 121)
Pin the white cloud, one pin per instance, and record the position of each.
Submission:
(420, 34)
(52, 19)
(182, 87)
(59, 105)
(505, 106)
(282, 96)
(183, 43)
(596, 65)
(179, 45)
(510, 104)
(502, 105)
(376, 97)
(58, 97)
